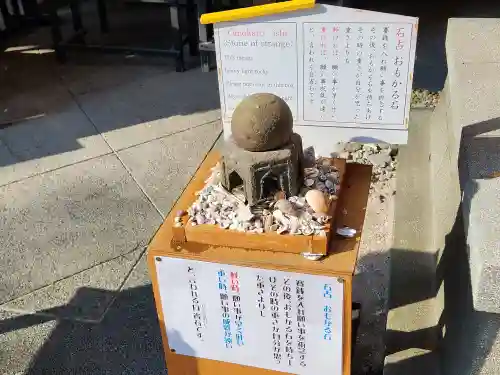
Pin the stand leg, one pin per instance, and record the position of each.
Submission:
(193, 23)
(103, 16)
(55, 28)
(77, 20)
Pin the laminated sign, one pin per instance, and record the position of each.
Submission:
(282, 321)
(346, 74)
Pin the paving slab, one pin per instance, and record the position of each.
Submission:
(127, 341)
(64, 300)
(163, 167)
(139, 276)
(54, 140)
(148, 109)
(68, 220)
(21, 336)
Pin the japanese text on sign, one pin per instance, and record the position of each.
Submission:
(344, 58)
(255, 317)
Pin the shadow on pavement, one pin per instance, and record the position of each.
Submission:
(126, 341)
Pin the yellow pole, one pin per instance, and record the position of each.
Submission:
(256, 11)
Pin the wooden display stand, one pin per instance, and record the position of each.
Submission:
(278, 252)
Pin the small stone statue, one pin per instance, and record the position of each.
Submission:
(263, 155)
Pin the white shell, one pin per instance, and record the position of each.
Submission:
(301, 202)
(307, 231)
(268, 222)
(309, 182)
(243, 212)
(258, 224)
(280, 218)
(283, 229)
(346, 232)
(294, 225)
(286, 207)
(321, 218)
(311, 256)
(225, 224)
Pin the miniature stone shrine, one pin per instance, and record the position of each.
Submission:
(263, 155)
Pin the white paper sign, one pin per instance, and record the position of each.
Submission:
(346, 74)
(275, 320)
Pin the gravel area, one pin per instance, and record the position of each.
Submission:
(424, 98)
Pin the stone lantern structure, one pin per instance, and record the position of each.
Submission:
(263, 154)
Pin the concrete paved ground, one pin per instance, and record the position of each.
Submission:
(92, 157)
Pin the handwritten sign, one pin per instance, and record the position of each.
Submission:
(346, 74)
(275, 320)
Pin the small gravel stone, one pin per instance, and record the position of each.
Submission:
(352, 146)
(424, 98)
(380, 159)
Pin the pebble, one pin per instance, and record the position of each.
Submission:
(424, 99)
(352, 147)
(381, 156)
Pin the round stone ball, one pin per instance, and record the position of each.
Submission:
(262, 122)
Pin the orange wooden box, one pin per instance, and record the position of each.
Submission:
(339, 262)
(213, 235)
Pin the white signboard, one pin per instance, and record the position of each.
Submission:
(275, 320)
(346, 74)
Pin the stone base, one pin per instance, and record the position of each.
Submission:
(262, 172)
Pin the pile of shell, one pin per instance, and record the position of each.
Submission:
(305, 214)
